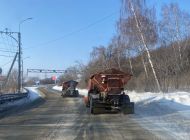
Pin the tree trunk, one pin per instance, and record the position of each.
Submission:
(178, 39)
(118, 59)
(130, 63)
(145, 46)
(146, 73)
(144, 65)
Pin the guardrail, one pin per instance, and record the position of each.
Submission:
(13, 96)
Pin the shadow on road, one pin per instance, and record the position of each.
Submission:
(14, 110)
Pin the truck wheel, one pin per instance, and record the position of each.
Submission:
(77, 93)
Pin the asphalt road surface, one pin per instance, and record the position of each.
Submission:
(68, 119)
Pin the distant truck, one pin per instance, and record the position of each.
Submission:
(69, 89)
(106, 92)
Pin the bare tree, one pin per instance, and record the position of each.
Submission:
(100, 54)
(12, 83)
(174, 26)
(31, 81)
(173, 30)
(71, 73)
(144, 27)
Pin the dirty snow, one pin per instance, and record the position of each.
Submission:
(32, 96)
(83, 92)
(58, 88)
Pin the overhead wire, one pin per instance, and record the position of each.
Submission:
(7, 41)
(4, 44)
(5, 64)
(1, 50)
(6, 55)
(74, 32)
(7, 49)
(15, 47)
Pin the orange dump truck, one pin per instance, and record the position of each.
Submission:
(106, 92)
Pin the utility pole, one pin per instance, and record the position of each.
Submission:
(19, 53)
(21, 67)
(19, 62)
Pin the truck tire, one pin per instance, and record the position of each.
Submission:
(88, 102)
(77, 93)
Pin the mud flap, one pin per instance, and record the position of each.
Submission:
(128, 108)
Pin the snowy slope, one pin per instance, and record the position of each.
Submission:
(147, 97)
(169, 112)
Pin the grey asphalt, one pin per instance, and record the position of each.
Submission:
(60, 118)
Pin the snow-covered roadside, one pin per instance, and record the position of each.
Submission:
(32, 96)
(169, 112)
(58, 88)
(83, 92)
(174, 97)
(33, 93)
(157, 112)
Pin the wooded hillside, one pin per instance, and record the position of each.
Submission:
(156, 51)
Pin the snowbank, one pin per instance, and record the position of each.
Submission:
(83, 92)
(33, 93)
(174, 98)
(32, 96)
(58, 88)
(148, 97)
(168, 111)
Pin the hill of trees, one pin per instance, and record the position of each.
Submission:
(156, 52)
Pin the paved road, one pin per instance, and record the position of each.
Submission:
(68, 119)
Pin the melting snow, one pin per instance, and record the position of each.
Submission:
(33, 95)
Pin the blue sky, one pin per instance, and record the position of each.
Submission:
(59, 34)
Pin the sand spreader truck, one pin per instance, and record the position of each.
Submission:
(106, 93)
(69, 89)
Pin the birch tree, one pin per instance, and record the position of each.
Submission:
(144, 26)
(174, 29)
(175, 26)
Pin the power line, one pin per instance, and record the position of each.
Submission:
(76, 31)
(7, 51)
(18, 40)
(5, 55)
(11, 61)
(6, 63)
(8, 43)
